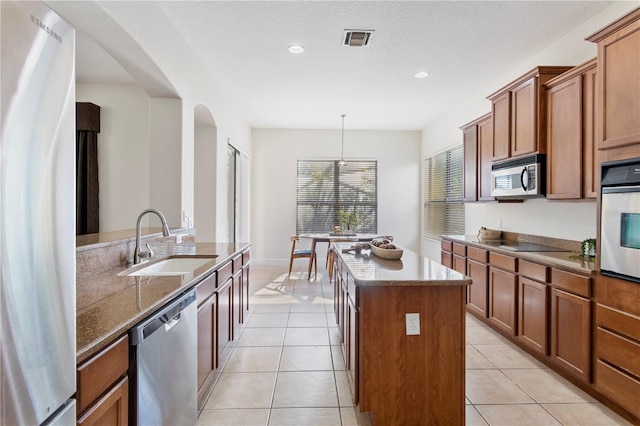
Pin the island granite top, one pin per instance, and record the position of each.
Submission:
(412, 269)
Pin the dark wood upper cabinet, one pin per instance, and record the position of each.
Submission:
(619, 82)
(571, 170)
(519, 114)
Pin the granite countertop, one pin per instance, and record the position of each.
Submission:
(108, 304)
(412, 269)
(564, 260)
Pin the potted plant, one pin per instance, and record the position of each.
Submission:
(349, 220)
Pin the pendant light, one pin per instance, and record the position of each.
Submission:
(342, 161)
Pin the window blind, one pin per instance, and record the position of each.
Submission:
(324, 187)
(443, 192)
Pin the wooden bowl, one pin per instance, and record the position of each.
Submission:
(391, 254)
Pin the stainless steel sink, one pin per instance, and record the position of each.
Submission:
(171, 266)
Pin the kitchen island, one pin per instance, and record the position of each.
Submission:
(401, 378)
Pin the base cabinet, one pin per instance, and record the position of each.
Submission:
(503, 297)
(533, 314)
(571, 333)
(103, 386)
(478, 291)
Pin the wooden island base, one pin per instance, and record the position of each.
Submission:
(403, 379)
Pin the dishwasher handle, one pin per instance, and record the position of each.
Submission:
(164, 319)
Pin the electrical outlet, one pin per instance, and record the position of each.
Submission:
(413, 324)
(499, 224)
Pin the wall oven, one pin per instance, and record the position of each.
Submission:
(519, 178)
(620, 220)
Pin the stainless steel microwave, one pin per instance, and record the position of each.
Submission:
(620, 220)
(519, 178)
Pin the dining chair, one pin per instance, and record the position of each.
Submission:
(302, 253)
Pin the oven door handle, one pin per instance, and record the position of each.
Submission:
(620, 189)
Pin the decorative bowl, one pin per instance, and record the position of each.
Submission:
(391, 254)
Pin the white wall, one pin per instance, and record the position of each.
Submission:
(568, 220)
(158, 57)
(273, 183)
(123, 151)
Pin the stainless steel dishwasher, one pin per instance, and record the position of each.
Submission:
(164, 360)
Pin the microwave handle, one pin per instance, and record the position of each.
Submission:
(524, 177)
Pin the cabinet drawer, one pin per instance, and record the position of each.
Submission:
(479, 255)
(501, 261)
(620, 387)
(206, 288)
(618, 321)
(246, 256)
(237, 262)
(224, 273)
(534, 271)
(100, 372)
(619, 351)
(460, 249)
(446, 245)
(578, 284)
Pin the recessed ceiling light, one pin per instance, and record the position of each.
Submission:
(421, 74)
(296, 49)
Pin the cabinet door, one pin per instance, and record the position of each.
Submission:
(224, 320)
(470, 141)
(237, 311)
(501, 116)
(533, 314)
(619, 87)
(352, 350)
(446, 259)
(206, 348)
(571, 333)
(111, 410)
(591, 175)
(503, 297)
(524, 118)
(344, 317)
(485, 155)
(460, 264)
(564, 140)
(245, 291)
(478, 293)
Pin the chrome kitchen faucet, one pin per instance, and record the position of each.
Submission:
(148, 253)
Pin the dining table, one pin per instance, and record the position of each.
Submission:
(325, 237)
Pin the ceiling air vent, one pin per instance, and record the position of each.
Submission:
(357, 38)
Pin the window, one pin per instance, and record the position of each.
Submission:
(324, 188)
(443, 206)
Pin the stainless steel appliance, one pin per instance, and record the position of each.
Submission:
(164, 360)
(37, 216)
(519, 178)
(620, 220)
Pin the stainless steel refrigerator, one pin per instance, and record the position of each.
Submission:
(37, 216)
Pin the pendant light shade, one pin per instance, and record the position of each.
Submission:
(342, 161)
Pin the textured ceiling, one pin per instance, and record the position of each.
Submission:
(461, 44)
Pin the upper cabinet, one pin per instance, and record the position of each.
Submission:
(571, 171)
(519, 114)
(619, 82)
(478, 154)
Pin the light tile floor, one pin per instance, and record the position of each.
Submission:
(287, 369)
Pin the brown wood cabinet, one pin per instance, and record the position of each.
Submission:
(478, 153)
(503, 300)
(478, 291)
(619, 82)
(470, 146)
(570, 134)
(519, 114)
(207, 322)
(617, 342)
(533, 314)
(571, 323)
(485, 155)
(103, 386)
